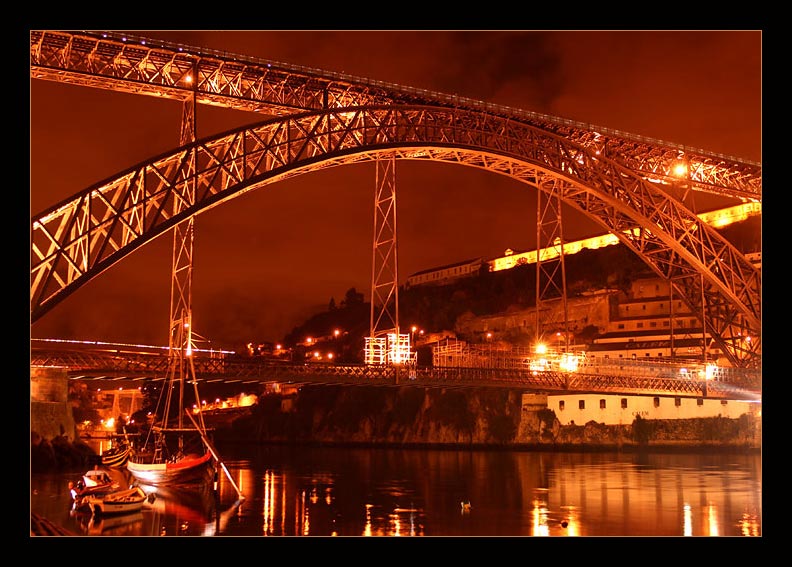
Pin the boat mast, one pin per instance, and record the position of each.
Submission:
(180, 331)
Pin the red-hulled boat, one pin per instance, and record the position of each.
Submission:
(183, 469)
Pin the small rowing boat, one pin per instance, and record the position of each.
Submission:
(118, 502)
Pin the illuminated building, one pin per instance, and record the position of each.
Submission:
(577, 408)
(511, 259)
(445, 274)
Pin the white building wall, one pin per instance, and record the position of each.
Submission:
(648, 407)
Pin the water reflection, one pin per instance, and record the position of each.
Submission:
(383, 492)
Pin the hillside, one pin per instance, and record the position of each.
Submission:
(436, 308)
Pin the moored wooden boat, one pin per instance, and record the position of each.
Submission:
(118, 502)
(116, 456)
(184, 469)
(173, 452)
(94, 482)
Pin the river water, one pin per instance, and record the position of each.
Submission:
(304, 491)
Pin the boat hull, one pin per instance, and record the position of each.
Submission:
(120, 502)
(189, 469)
(116, 457)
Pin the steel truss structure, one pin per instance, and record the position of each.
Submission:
(616, 180)
(113, 367)
(127, 63)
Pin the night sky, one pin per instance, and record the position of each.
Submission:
(266, 261)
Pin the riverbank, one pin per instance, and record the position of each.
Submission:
(411, 417)
(475, 418)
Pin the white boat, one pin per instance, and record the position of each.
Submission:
(118, 502)
(95, 482)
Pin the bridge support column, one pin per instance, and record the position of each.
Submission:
(384, 267)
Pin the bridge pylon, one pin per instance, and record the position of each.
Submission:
(385, 344)
(550, 266)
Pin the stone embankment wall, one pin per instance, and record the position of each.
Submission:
(50, 410)
(53, 434)
(411, 416)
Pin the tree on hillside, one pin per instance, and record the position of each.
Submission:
(352, 298)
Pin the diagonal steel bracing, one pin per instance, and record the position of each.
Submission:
(78, 239)
(88, 233)
(385, 261)
(127, 63)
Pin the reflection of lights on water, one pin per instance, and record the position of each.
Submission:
(367, 528)
(712, 520)
(539, 515)
(687, 522)
(397, 522)
(572, 527)
(749, 524)
(269, 501)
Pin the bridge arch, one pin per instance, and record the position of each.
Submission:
(76, 240)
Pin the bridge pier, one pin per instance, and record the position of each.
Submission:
(50, 411)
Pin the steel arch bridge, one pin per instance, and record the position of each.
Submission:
(320, 120)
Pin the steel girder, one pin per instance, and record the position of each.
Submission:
(78, 239)
(130, 366)
(127, 63)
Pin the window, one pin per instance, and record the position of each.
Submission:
(665, 323)
(602, 404)
(620, 326)
(677, 402)
(582, 404)
(561, 405)
(700, 401)
(624, 403)
(724, 402)
(657, 402)
(643, 306)
(653, 323)
(640, 325)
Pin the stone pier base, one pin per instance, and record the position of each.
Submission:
(50, 411)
